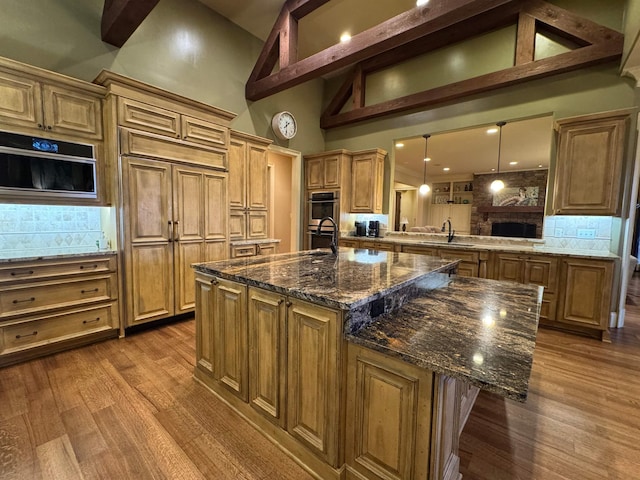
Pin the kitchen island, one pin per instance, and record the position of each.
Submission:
(363, 364)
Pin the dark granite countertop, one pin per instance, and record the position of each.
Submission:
(480, 331)
(346, 281)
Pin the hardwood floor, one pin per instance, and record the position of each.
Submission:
(129, 409)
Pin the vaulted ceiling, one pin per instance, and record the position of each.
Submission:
(299, 46)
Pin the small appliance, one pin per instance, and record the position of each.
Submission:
(374, 228)
(361, 229)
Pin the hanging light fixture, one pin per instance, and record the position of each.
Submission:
(424, 188)
(498, 184)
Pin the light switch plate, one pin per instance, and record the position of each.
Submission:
(558, 232)
(586, 233)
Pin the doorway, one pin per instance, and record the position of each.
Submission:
(285, 168)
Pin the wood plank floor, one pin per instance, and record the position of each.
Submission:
(129, 409)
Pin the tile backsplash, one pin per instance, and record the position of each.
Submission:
(37, 230)
(578, 232)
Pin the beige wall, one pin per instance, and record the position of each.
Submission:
(181, 46)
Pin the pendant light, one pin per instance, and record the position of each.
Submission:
(498, 184)
(424, 188)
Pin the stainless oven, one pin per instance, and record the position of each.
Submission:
(320, 205)
(33, 166)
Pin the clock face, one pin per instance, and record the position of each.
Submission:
(284, 125)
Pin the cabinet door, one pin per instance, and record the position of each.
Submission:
(257, 187)
(267, 248)
(367, 172)
(388, 416)
(589, 165)
(267, 358)
(314, 173)
(215, 217)
(586, 297)
(331, 167)
(148, 240)
(231, 330)
(469, 261)
(205, 339)
(257, 224)
(72, 112)
(313, 416)
(237, 224)
(206, 133)
(237, 174)
(461, 219)
(188, 232)
(20, 101)
(508, 267)
(150, 118)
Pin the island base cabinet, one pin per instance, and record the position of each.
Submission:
(314, 378)
(388, 417)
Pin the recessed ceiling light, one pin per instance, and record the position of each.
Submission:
(419, 3)
(513, 163)
(491, 131)
(399, 145)
(345, 37)
(493, 169)
(539, 166)
(446, 169)
(427, 159)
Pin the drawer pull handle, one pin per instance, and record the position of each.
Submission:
(32, 299)
(82, 267)
(18, 337)
(91, 321)
(15, 274)
(89, 291)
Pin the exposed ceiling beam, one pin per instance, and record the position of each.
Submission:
(596, 44)
(395, 32)
(120, 18)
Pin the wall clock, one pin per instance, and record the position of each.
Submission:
(284, 125)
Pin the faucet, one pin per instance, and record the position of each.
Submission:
(334, 236)
(451, 232)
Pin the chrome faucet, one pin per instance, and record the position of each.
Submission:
(451, 233)
(334, 235)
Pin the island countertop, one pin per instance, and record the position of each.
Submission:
(480, 331)
(346, 281)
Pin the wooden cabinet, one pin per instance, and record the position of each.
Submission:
(315, 347)
(162, 121)
(49, 305)
(324, 172)
(248, 187)
(251, 249)
(349, 243)
(590, 163)
(470, 260)
(531, 269)
(172, 219)
(460, 216)
(36, 100)
(389, 408)
(367, 174)
(585, 298)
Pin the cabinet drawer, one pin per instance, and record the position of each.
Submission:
(33, 298)
(154, 119)
(58, 327)
(203, 132)
(243, 251)
(349, 243)
(30, 271)
(468, 257)
(420, 250)
(267, 248)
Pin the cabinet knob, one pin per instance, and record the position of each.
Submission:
(40, 125)
(281, 301)
(214, 282)
(48, 127)
(288, 304)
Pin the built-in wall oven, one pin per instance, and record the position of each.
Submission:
(44, 167)
(320, 205)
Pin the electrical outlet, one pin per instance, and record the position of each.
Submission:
(558, 232)
(586, 233)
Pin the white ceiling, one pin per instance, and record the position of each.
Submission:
(468, 151)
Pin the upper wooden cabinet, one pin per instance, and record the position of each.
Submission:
(323, 172)
(154, 119)
(590, 162)
(248, 186)
(367, 177)
(36, 100)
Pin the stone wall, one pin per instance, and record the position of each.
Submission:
(483, 196)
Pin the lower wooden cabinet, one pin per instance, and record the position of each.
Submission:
(246, 249)
(49, 305)
(585, 299)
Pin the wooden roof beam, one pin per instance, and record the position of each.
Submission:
(395, 32)
(120, 18)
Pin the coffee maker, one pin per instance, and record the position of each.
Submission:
(361, 229)
(374, 228)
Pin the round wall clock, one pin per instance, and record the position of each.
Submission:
(284, 125)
